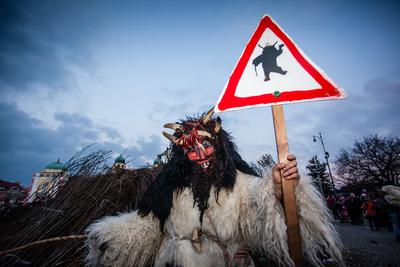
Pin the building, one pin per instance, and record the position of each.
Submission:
(48, 181)
(119, 163)
(11, 193)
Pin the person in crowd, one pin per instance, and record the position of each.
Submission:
(353, 206)
(363, 196)
(382, 211)
(331, 202)
(340, 209)
(369, 209)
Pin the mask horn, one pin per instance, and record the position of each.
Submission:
(208, 115)
(218, 125)
(173, 126)
(170, 137)
(204, 133)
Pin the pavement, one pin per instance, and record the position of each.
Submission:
(366, 248)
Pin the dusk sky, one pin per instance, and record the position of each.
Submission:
(74, 73)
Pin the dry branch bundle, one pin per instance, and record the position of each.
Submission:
(92, 190)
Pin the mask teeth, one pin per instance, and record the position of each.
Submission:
(205, 165)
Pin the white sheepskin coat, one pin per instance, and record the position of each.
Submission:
(249, 216)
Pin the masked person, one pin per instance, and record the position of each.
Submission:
(207, 208)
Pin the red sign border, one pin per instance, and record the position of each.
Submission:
(228, 100)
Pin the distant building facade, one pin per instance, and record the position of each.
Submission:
(119, 163)
(11, 193)
(50, 179)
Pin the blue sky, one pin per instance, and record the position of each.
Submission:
(74, 73)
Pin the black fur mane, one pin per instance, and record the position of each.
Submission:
(180, 173)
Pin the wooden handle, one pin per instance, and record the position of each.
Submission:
(289, 198)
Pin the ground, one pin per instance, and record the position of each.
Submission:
(366, 248)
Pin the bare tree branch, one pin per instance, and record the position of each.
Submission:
(373, 161)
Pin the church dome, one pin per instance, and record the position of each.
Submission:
(120, 159)
(57, 165)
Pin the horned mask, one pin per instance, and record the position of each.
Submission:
(196, 137)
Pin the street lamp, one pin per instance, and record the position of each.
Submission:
(326, 157)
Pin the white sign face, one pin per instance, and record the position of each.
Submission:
(286, 75)
(273, 70)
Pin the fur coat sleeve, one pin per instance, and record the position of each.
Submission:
(263, 224)
(124, 240)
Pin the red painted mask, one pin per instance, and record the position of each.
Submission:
(197, 148)
(195, 137)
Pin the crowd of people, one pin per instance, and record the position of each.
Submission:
(370, 207)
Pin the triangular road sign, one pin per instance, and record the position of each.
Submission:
(273, 70)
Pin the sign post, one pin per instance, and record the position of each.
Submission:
(288, 189)
(272, 71)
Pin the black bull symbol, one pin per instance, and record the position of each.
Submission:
(268, 60)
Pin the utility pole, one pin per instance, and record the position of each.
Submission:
(326, 158)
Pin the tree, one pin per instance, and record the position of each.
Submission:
(373, 161)
(164, 157)
(319, 177)
(265, 162)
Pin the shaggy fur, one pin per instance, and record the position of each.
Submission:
(263, 223)
(248, 215)
(123, 240)
(319, 236)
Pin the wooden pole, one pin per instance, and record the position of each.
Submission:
(289, 199)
